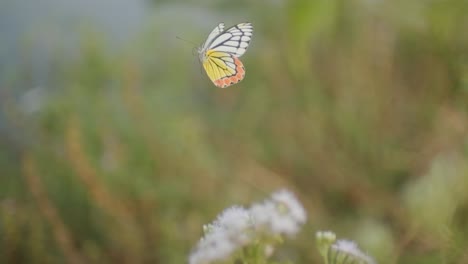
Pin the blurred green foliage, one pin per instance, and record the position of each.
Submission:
(359, 107)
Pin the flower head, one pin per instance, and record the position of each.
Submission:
(237, 227)
(290, 204)
(324, 240)
(282, 214)
(234, 218)
(346, 251)
(341, 251)
(223, 237)
(214, 246)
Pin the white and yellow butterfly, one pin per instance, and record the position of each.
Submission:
(221, 51)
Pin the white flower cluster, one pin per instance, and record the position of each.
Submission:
(346, 251)
(282, 214)
(237, 227)
(340, 251)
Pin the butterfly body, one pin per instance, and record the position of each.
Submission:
(221, 51)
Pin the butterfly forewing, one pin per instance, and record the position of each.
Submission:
(234, 40)
(215, 32)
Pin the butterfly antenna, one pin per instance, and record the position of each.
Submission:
(188, 41)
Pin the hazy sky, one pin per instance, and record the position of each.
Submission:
(39, 26)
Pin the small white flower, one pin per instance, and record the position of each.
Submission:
(284, 224)
(228, 233)
(214, 246)
(237, 223)
(294, 207)
(282, 214)
(324, 240)
(346, 251)
(234, 218)
(327, 236)
(261, 212)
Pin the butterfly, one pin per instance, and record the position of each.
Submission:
(221, 51)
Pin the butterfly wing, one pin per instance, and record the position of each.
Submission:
(234, 40)
(223, 68)
(221, 54)
(215, 32)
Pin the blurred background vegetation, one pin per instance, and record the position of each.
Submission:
(116, 148)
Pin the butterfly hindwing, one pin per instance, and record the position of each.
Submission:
(221, 51)
(221, 74)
